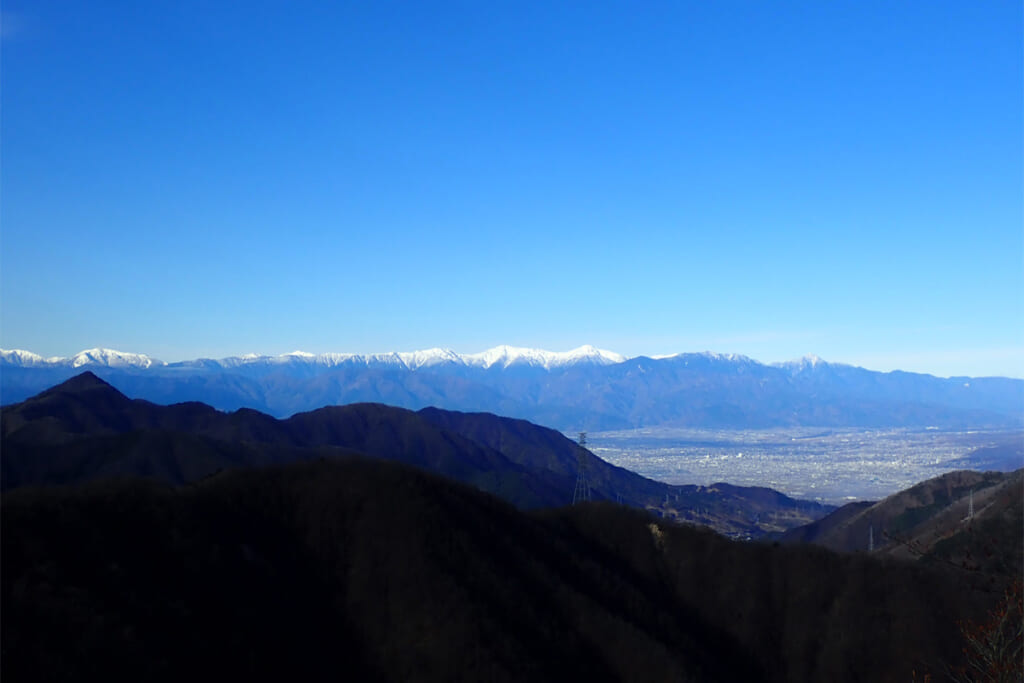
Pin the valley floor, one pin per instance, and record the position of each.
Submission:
(834, 466)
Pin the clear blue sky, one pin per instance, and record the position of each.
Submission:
(189, 179)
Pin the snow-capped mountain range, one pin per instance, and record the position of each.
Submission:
(90, 357)
(585, 388)
(499, 356)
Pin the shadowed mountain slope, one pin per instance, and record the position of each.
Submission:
(530, 445)
(370, 570)
(934, 521)
(85, 429)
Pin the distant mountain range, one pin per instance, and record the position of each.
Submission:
(586, 388)
(500, 356)
(84, 429)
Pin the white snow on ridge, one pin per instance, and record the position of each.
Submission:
(593, 355)
(411, 360)
(430, 357)
(102, 357)
(113, 359)
(25, 358)
(299, 354)
(499, 356)
(506, 356)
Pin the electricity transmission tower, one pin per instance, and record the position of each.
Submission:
(582, 490)
(871, 538)
(970, 508)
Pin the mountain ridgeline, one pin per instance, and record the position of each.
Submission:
(584, 389)
(85, 429)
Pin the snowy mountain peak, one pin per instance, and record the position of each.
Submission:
(594, 355)
(112, 359)
(23, 358)
(300, 354)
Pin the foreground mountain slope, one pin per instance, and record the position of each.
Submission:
(583, 389)
(374, 571)
(85, 429)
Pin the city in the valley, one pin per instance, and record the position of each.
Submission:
(833, 466)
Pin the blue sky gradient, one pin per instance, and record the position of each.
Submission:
(189, 179)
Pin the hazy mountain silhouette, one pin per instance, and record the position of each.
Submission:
(85, 429)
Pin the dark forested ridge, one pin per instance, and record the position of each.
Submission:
(970, 518)
(85, 429)
(367, 570)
